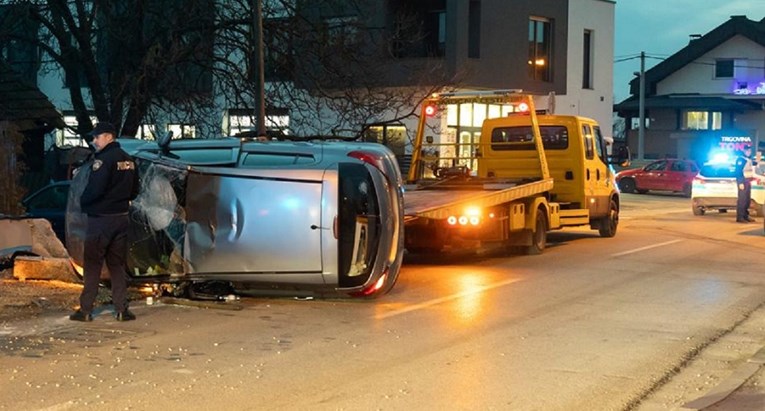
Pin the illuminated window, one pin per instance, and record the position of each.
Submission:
(244, 120)
(182, 130)
(147, 132)
(540, 49)
(68, 136)
(702, 120)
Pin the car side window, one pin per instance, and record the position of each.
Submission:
(679, 166)
(657, 166)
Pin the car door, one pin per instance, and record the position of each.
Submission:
(675, 176)
(254, 226)
(652, 176)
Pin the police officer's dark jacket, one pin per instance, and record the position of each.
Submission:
(112, 184)
(741, 163)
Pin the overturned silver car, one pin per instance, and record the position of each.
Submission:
(295, 218)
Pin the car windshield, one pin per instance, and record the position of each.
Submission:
(717, 170)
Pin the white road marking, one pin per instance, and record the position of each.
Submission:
(440, 300)
(648, 247)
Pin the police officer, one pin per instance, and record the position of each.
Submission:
(744, 174)
(112, 183)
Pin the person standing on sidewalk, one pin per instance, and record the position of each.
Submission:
(744, 174)
(112, 184)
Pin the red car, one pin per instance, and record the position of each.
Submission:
(668, 174)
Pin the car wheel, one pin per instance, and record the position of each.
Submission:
(697, 210)
(627, 185)
(609, 223)
(539, 236)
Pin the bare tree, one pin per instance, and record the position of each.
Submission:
(337, 66)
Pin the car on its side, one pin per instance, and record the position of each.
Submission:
(283, 217)
(669, 174)
(49, 203)
(714, 188)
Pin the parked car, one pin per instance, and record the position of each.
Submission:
(714, 188)
(662, 175)
(300, 218)
(49, 203)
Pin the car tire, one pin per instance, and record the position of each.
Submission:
(539, 235)
(608, 224)
(697, 210)
(627, 185)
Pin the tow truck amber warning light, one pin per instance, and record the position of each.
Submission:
(430, 110)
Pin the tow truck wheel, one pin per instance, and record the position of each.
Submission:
(539, 236)
(608, 224)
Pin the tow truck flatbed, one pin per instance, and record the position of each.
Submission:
(431, 201)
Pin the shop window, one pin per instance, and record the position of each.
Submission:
(540, 49)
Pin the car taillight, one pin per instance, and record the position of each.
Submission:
(372, 288)
(369, 158)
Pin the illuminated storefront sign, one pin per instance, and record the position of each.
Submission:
(742, 89)
(738, 143)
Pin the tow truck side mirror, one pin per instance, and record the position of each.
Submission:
(622, 156)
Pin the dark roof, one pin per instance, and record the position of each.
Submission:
(688, 102)
(737, 25)
(24, 104)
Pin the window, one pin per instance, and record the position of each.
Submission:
(522, 138)
(474, 29)
(540, 49)
(182, 130)
(657, 166)
(724, 68)
(244, 120)
(68, 136)
(277, 50)
(342, 31)
(589, 144)
(587, 60)
(702, 120)
(418, 28)
(391, 135)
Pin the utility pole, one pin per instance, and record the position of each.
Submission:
(257, 65)
(641, 109)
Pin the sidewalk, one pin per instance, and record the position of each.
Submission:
(727, 375)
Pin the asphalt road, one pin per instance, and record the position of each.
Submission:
(655, 318)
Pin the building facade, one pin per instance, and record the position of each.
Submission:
(707, 97)
(558, 50)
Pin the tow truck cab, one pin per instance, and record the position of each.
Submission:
(575, 152)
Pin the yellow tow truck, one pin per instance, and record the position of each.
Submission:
(523, 175)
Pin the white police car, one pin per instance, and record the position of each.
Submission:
(714, 188)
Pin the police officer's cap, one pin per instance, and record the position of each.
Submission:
(104, 127)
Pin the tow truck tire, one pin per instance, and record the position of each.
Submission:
(627, 185)
(539, 235)
(609, 223)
